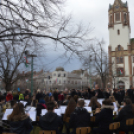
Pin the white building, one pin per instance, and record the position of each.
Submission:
(62, 79)
(121, 47)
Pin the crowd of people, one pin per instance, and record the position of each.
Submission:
(74, 100)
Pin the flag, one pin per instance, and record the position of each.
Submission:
(56, 80)
(26, 80)
(121, 72)
(26, 61)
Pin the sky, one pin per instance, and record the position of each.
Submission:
(94, 12)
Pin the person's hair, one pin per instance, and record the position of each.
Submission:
(76, 98)
(38, 91)
(112, 98)
(2, 98)
(107, 102)
(18, 110)
(70, 108)
(51, 98)
(47, 99)
(81, 102)
(127, 101)
(94, 102)
(50, 106)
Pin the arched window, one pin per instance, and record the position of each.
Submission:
(59, 75)
(118, 32)
(121, 59)
(64, 75)
(125, 17)
(119, 48)
(117, 16)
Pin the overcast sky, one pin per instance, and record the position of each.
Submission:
(94, 12)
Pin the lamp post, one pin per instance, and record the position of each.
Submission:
(32, 56)
(90, 80)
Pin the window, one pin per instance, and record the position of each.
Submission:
(120, 71)
(59, 75)
(119, 48)
(119, 60)
(125, 17)
(72, 82)
(76, 82)
(64, 75)
(118, 32)
(133, 59)
(68, 81)
(111, 19)
(117, 16)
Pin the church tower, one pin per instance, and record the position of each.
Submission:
(120, 45)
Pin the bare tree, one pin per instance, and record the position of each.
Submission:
(97, 60)
(28, 25)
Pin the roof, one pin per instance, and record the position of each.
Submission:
(123, 4)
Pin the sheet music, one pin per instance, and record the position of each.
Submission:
(86, 102)
(89, 109)
(23, 102)
(32, 115)
(43, 112)
(29, 108)
(63, 109)
(7, 112)
(57, 111)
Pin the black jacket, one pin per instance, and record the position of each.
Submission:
(50, 121)
(39, 109)
(104, 118)
(124, 114)
(100, 93)
(79, 118)
(39, 96)
(21, 127)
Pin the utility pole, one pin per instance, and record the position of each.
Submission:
(32, 56)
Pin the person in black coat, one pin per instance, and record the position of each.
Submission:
(80, 117)
(20, 122)
(98, 92)
(104, 117)
(126, 112)
(50, 121)
(39, 95)
(117, 95)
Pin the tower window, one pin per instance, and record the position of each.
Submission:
(118, 32)
(125, 17)
(119, 48)
(117, 16)
(111, 19)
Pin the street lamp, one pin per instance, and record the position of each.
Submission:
(32, 56)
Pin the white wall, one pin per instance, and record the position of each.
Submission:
(126, 65)
(123, 39)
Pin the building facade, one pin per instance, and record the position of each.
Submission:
(121, 46)
(62, 79)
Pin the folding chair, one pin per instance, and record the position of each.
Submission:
(92, 119)
(114, 126)
(83, 130)
(130, 123)
(47, 132)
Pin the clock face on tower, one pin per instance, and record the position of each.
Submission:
(117, 7)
